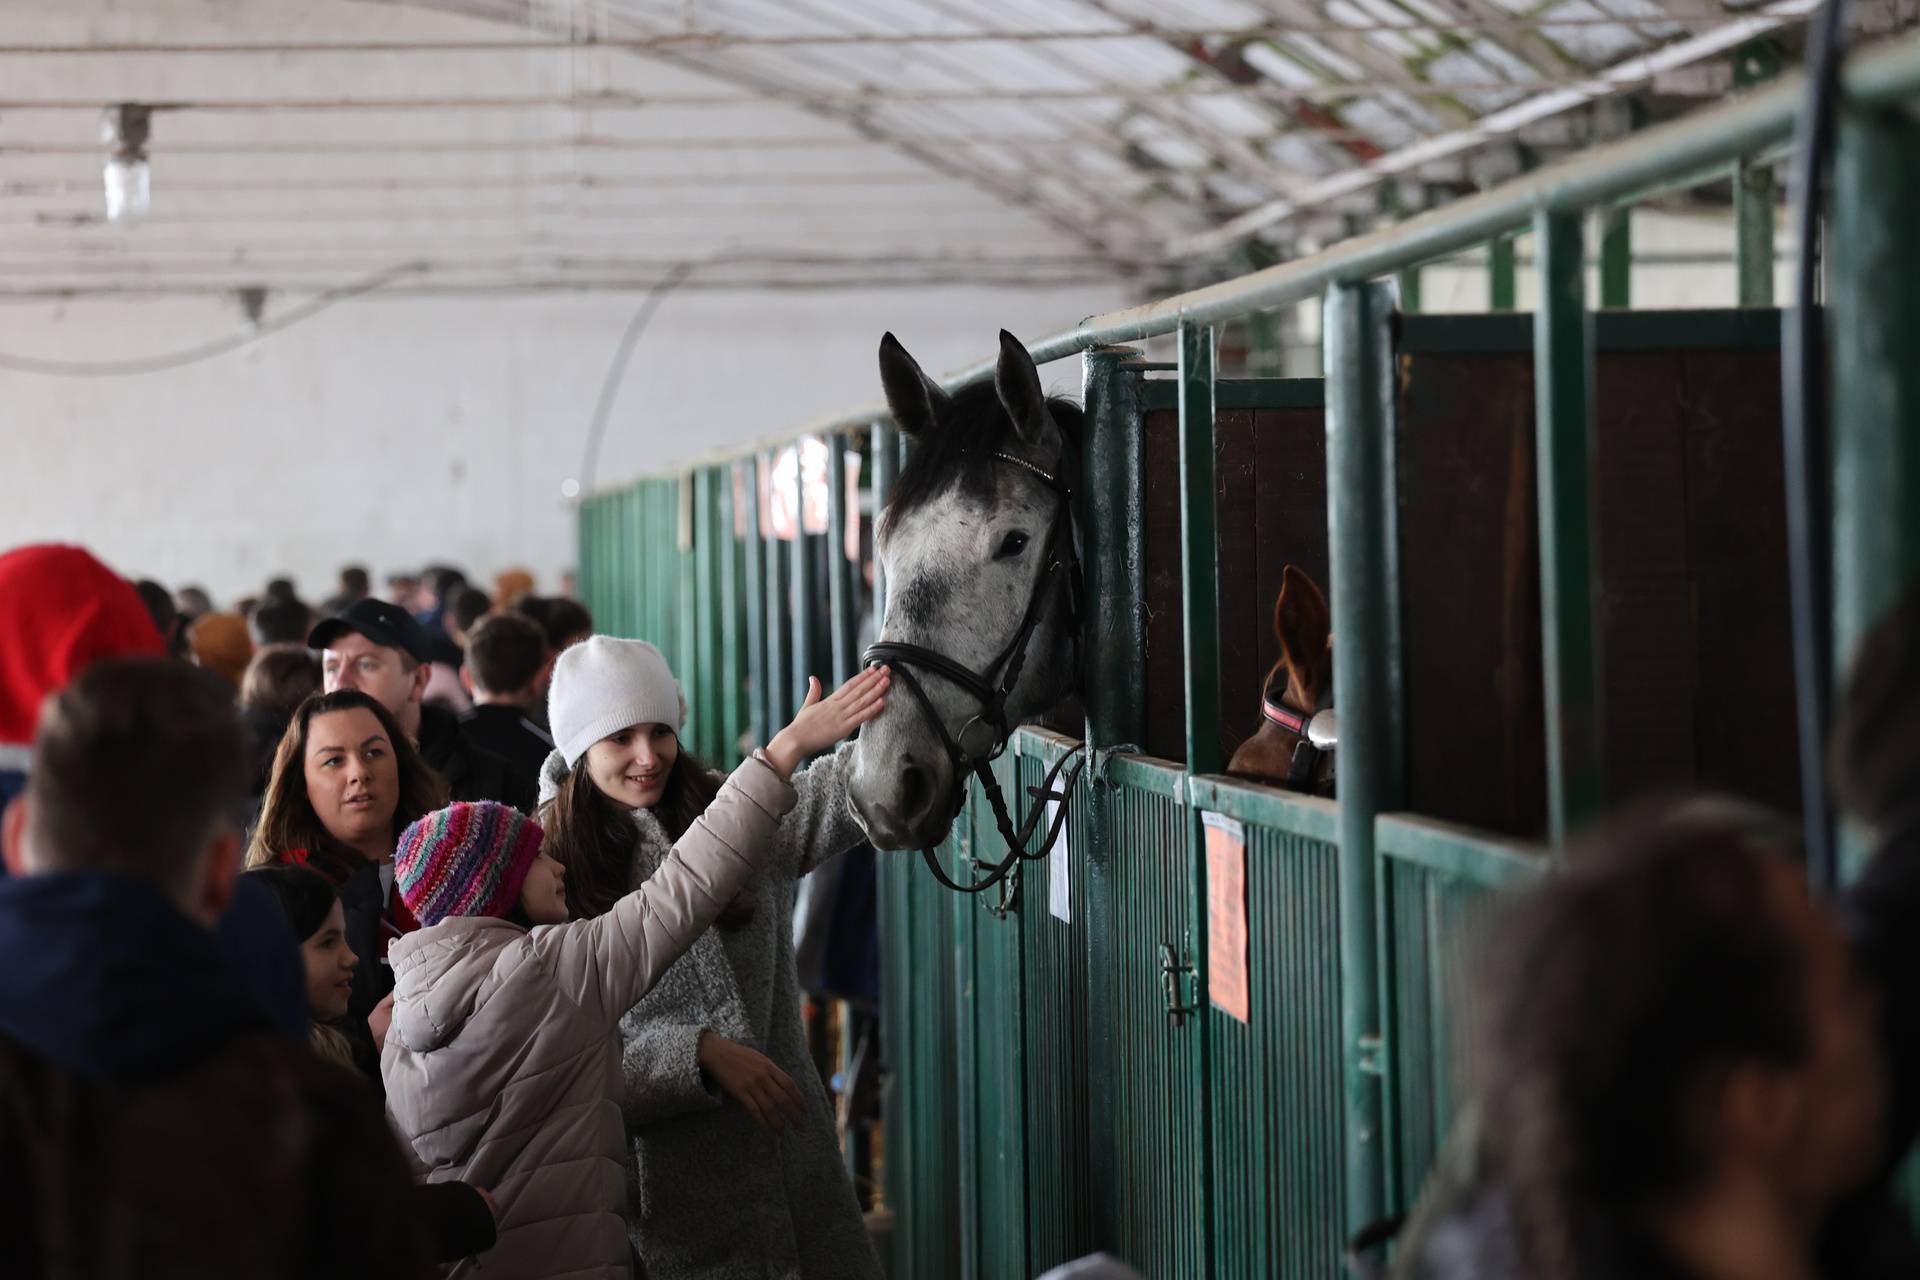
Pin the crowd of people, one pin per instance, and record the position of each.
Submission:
(405, 935)
(399, 935)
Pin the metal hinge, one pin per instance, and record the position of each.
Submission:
(1373, 1055)
(1175, 968)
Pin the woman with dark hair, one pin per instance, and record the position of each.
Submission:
(345, 783)
(735, 1157)
(320, 927)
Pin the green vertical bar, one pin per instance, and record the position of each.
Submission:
(755, 590)
(1409, 280)
(1200, 550)
(1360, 485)
(682, 533)
(1754, 196)
(1873, 332)
(732, 618)
(805, 661)
(839, 569)
(705, 651)
(777, 636)
(1501, 291)
(1115, 701)
(1755, 193)
(884, 462)
(1616, 257)
(1563, 384)
(1200, 612)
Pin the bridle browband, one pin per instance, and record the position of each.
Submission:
(984, 737)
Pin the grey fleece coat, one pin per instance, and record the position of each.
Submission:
(502, 1067)
(715, 1196)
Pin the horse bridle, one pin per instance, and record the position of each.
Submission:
(984, 737)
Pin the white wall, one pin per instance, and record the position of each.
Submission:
(399, 431)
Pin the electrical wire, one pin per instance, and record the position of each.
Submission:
(617, 372)
(1803, 375)
(208, 350)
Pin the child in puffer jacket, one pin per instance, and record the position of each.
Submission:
(501, 1065)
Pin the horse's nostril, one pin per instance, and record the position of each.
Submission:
(916, 791)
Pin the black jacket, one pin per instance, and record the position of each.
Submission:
(511, 734)
(472, 773)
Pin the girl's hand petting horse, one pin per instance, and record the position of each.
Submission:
(751, 1079)
(824, 721)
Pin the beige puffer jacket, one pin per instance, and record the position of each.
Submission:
(502, 1067)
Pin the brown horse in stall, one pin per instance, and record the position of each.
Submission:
(1294, 745)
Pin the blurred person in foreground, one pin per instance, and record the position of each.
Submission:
(156, 1121)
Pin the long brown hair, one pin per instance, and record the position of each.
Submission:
(592, 836)
(287, 817)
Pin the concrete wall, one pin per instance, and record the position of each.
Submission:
(399, 431)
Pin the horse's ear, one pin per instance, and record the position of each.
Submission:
(914, 398)
(1302, 621)
(1018, 383)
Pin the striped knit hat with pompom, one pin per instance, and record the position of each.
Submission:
(465, 860)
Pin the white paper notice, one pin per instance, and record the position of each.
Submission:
(1059, 868)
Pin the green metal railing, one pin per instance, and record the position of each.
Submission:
(1061, 1085)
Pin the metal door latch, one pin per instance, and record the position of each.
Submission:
(1174, 969)
(1008, 894)
(1373, 1056)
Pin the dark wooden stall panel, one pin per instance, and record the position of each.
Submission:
(1690, 541)
(1270, 480)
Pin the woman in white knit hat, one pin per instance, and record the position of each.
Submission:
(736, 1168)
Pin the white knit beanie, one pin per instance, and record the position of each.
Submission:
(603, 685)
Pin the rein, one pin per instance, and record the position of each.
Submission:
(983, 738)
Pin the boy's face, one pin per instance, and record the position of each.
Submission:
(543, 895)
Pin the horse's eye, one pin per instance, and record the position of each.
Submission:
(1011, 545)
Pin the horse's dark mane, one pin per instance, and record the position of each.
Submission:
(960, 450)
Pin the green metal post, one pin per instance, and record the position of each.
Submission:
(1616, 257)
(1501, 291)
(1873, 331)
(1563, 384)
(1116, 715)
(884, 460)
(684, 558)
(806, 662)
(1755, 193)
(755, 589)
(732, 617)
(777, 636)
(704, 660)
(1200, 615)
(839, 568)
(1360, 507)
(1200, 579)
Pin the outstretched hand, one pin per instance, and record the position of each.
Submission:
(824, 721)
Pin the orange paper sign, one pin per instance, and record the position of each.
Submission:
(1227, 915)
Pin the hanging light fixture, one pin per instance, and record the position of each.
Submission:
(124, 129)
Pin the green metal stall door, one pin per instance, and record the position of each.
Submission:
(1157, 1224)
(921, 1113)
(1059, 1204)
(1441, 887)
(992, 1011)
(1274, 1082)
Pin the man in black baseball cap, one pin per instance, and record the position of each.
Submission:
(378, 648)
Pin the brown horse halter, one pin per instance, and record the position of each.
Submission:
(1312, 766)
